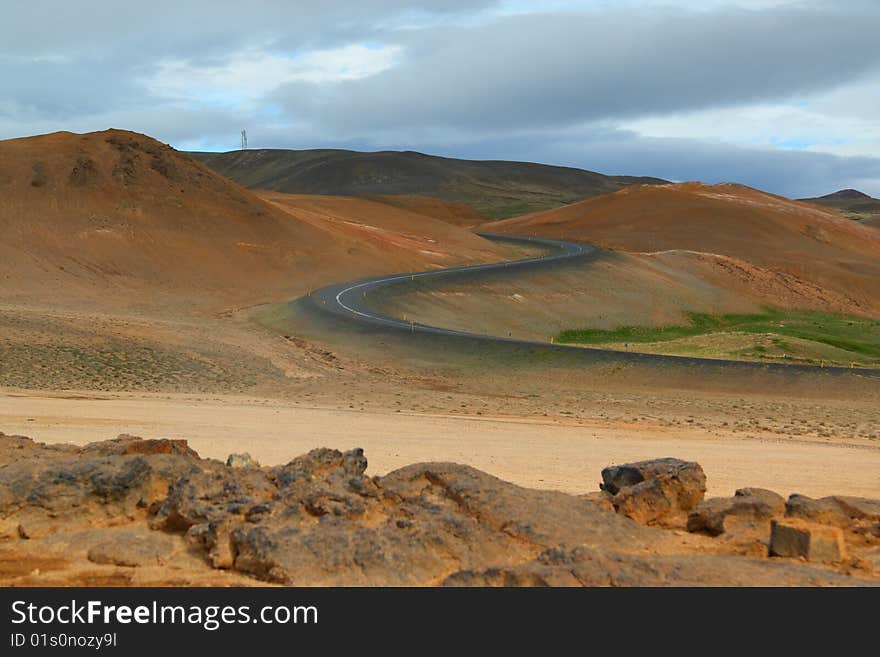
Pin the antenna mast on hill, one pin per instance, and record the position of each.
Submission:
(244, 140)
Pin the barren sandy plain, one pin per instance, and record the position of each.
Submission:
(558, 452)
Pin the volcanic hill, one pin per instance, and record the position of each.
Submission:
(727, 221)
(118, 216)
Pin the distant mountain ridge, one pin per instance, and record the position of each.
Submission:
(851, 203)
(495, 188)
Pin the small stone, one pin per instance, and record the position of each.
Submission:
(791, 537)
(241, 461)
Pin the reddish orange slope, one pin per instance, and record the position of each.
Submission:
(727, 219)
(448, 211)
(385, 232)
(116, 217)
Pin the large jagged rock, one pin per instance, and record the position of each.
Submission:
(45, 488)
(656, 490)
(749, 509)
(327, 522)
(149, 505)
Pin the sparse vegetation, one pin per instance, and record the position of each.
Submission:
(803, 335)
(38, 352)
(851, 203)
(119, 367)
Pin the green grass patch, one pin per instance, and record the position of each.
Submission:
(859, 335)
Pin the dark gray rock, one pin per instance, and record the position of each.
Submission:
(793, 537)
(655, 490)
(43, 488)
(211, 495)
(412, 525)
(241, 461)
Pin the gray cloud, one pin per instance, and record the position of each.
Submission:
(203, 27)
(792, 173)
(527, 71)
(59, 89)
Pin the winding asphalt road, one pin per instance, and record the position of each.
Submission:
(350, 301)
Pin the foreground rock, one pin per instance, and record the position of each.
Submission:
(749, 509)
(655, 490)
(859, 517)
(134, 547)
(791, 537)
(320, 518)
(44, 488)
(587, 566)
(128, 506)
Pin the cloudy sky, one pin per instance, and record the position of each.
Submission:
(782, 95)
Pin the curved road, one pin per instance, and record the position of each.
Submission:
(349, 300)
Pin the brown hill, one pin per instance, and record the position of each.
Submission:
(117, 216)
(449, 211)
(815, 245)
(376, 232)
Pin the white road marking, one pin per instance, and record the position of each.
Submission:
(382, 281)
(570, 250)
